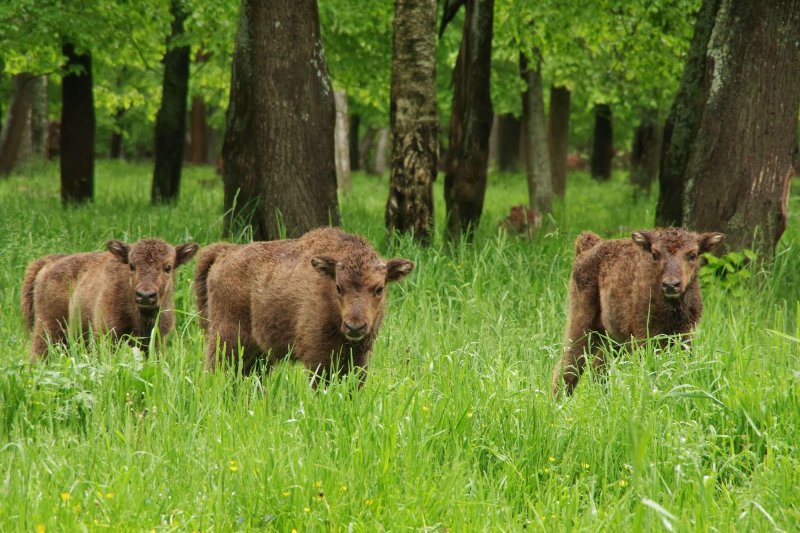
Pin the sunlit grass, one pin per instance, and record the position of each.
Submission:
(455, 427)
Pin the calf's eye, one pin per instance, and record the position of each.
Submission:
(656, 256)
(378, 290)
(691, 257)
(339, 289)
(132, 267)
(168, 269)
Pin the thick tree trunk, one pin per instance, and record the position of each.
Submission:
(17, 121)
(683, 121)
(537, 158)
(558, 138)
(170, 136)
(737, 177)
(279, 170)
(355, 123)
(39, 118)
(509, 130)
(198, 132)
(414, 122)
(470, 123)
(342, 143)
(646, 151)
(602, 143)
(76, 146)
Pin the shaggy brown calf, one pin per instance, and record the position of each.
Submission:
(120, 291)
(630, 289)
(321, 297)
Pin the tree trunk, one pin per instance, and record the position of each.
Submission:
(683, 121)
(414, 120)
(76, 146)
(116, 135)
(381, 152)
(39, 118)
(737, 178)
(18, 120)
(198, 131)
(470, 123)
(170, 135)
(355, 123)
(342, 143)
(279, 170)
(537, 158)
(646, 151)
(366, 150)
(558, 138)
(508, 140)
(602, 144)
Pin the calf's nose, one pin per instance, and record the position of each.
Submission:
(144, 297)
(357, 328)
(670, 286)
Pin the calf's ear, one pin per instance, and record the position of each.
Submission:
(397, 269)
(643, 239)
(324, 265)
(707, 241)
(119, 249)
(185, 252)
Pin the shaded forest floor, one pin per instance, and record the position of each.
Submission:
(455, 427)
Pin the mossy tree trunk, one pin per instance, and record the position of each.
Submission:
(537, 157)
(683, 121)
(17, 121)
(646, 151)
(76, 145)
(414, 121)
(278, 153)
(470, 122)
(740, 164)
(170, 134)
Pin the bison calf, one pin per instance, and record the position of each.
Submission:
(321, 297)
(121, 291)
(627, 289)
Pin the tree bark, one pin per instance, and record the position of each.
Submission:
(39, 118)
(170, 134)
(76, 146)
(646, 151)
(509, 130)
(198, 132)
(558, 137)
(116, 135)
(17, 121)
(279, 170)
(739, 168)
(470, 123)
(381, 152)
(342, 143)
(355, 123)
(602, 144)
(414, 120)
(683, 121)
(537, 158)
(366, 150)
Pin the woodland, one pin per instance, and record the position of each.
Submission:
(476, 137)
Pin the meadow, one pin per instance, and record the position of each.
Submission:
(455, 429)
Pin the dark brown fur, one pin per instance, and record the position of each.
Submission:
(321, 296)
(627, 289)
(121, 291)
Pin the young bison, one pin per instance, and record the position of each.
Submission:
(120, 291)
(630, 289)
(322, 296)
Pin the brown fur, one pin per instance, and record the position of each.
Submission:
(522, 220)
(627, 289)
(121, 291)
(298, 295)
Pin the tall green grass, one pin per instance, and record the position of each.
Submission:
(455, 428)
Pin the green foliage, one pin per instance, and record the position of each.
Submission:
(731, 271)
(455, 427)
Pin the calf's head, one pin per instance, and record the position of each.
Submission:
(359, 282)
(676, 256)
(152, 265)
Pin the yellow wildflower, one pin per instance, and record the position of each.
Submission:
(110, 495)
(623, 483)
(343, 488)
(65, 496)
(469, 414)
(551, 459)
(368, 501)
(306, 510)
(40, 528)
(233, 466)
(585, 466)
(317, 484)
(286, 493)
